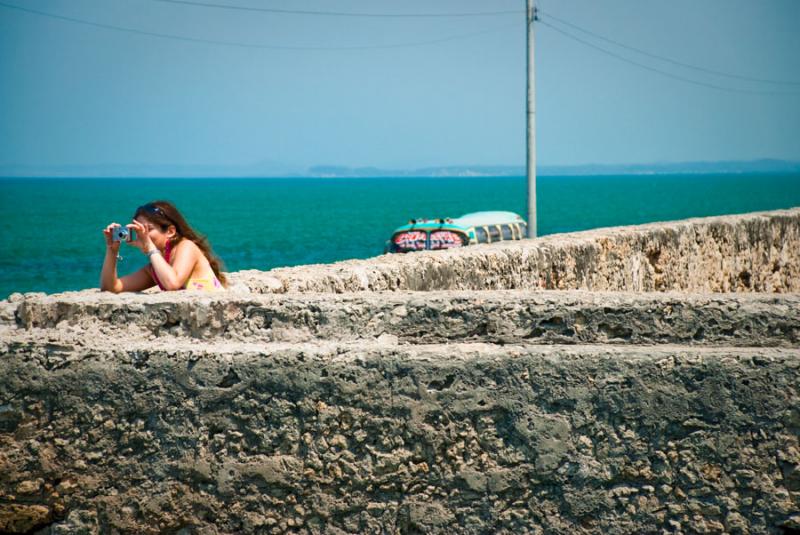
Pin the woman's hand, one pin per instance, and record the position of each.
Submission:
(108, 233)
(142, 241)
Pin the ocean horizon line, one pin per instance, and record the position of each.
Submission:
(772, 166)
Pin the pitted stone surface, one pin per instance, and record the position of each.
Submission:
(429, 317)
(463, 438)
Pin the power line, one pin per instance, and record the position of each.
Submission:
(666, 59)
(248, 45)
(659, 71)
(339, 13)
(411, 44)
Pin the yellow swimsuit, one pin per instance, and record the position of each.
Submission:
(204, 284)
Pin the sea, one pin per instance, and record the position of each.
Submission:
(51, 228)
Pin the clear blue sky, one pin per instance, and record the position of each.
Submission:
(72, 94)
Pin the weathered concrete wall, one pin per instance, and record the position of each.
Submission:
(367, 438)
(752, 252)
(474, 411)
(249, 413)
(502, 317)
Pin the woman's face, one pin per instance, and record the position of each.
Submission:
(157, 236)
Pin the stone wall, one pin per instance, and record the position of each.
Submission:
(496, 317)
(757, 252)
(369, 438)
(469, 411)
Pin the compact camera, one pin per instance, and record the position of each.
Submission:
(121, 234)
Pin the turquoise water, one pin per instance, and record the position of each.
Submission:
(51, 240)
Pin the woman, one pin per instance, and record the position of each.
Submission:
(178, 257)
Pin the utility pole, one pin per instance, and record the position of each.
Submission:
(531, 115)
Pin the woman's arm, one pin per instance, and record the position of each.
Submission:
(174, 277)
(108, 275)
(135, 282)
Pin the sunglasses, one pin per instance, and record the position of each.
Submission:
(152, 209)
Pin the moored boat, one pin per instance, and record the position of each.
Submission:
(469, 229)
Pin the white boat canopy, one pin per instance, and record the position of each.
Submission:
(478, 219)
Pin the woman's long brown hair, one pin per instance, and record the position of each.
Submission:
(164, 214)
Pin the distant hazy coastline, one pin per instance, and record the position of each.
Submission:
(273, 169)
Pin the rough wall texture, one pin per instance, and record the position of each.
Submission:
(367, 438)
(512, 411)
(500, 317)
(744, 253)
